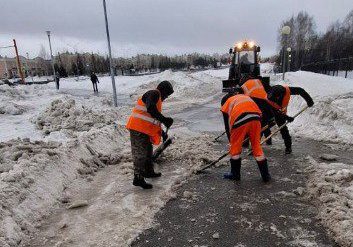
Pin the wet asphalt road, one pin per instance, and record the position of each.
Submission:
(211, 211)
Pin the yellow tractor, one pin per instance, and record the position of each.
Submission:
(244, 63)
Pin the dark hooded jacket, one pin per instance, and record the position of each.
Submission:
(151, 97)
(277, 93)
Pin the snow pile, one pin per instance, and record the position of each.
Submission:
(330, 186)
(11, 108)
(192, 152)
(65, 114)
(35, 174)
(9, 96)
(22, 165)
(188, 87)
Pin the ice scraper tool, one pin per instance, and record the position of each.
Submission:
(163, 146)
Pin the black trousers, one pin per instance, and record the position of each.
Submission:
(95, 87)
(280, 120)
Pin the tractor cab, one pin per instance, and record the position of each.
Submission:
(243, 62)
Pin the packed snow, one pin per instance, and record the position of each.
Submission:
(332, 116)
(58, 145)
(330, 186)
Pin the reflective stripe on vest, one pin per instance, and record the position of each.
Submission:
(141, 108)
(233, 104)
(246, 118)
(148, 119)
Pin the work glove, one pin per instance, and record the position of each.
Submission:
(289, 119)
(164, 136)
(310, 103)
(168, 122)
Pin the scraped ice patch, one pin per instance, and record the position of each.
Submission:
(330, 186)
(303, 237)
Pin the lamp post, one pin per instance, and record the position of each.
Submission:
(51, 54)
(285, 33)
(110, 54)
(289, 50)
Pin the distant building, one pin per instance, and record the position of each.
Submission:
(31, 67)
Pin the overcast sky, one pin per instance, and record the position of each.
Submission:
(155, 26)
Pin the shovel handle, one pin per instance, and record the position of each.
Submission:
(281, 127)
(225, 154)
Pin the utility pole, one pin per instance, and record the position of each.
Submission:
(19, 67)
(51, 55)
(110, 54)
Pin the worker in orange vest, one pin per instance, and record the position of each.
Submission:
(145, 129)
(242, 117)
(279, 97)
(257, 90)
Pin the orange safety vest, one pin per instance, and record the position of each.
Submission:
(140, 120)
(237, 105)
(285, 101)
(254, 89)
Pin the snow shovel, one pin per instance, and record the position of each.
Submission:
(216, 139)
(225, 154)
(281, 127)
(162, 147)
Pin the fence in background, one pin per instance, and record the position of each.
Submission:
(336, 67)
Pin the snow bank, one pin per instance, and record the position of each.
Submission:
(35, 174)
(69, 116)
(330, 187)
(331, 117)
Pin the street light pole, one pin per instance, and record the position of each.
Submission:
(51, 55)
(110, 54)
(289, 50)
(285, 33)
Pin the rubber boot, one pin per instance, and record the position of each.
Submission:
(263, 167)
(288, 150)
(234, 173)
(140, 181)
(150, 173)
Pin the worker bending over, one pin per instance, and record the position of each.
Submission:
(258, 90)
(279, 97)
(241, 118)
(145, 129)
